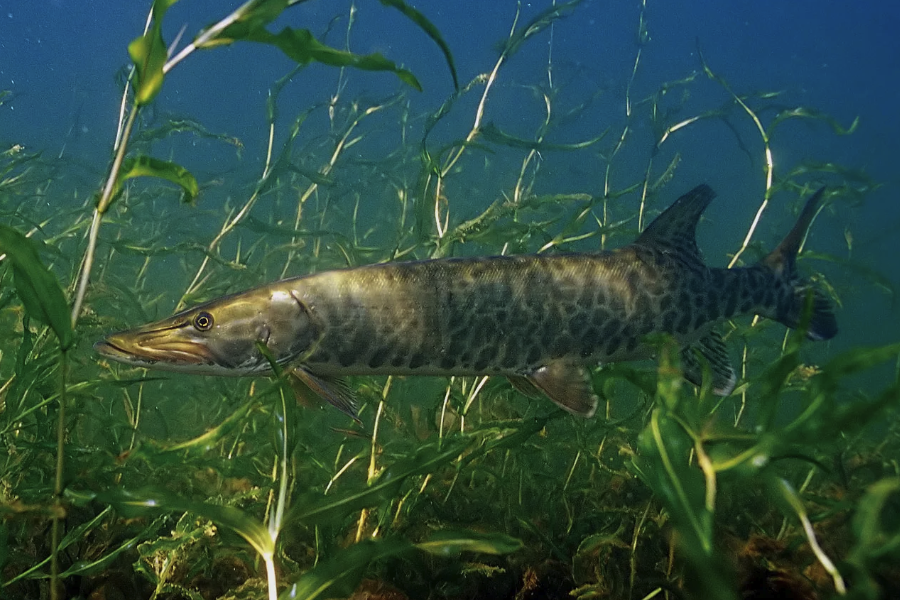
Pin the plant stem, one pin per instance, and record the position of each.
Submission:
(102, 207)
(270, 576)
(58, 485)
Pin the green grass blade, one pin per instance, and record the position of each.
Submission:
(90, 567)
(148, 52)
(301, 46)
(430, 30)
(539, 23)
(36, 286)
(316, 510)
(876, 523)
(453, 542)
(75, 535)
(338, 576)
(209, 440)
(130, 502)
(146, 166)
(663, 463)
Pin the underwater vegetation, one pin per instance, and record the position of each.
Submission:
(120, 482)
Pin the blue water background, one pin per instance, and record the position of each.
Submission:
(61, 59)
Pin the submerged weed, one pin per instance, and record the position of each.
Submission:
(199, 488)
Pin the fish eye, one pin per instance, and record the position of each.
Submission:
(203, 321)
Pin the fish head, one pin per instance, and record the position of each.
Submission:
(220, 337)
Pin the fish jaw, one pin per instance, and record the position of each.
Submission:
(221, 337)
(167, 348)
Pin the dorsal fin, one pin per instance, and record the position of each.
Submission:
(676, 227)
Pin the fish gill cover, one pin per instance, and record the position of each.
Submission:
(282, 138)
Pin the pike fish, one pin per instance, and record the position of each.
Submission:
(538, 320)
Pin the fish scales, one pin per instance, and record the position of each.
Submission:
(539, 320)
(481, 315)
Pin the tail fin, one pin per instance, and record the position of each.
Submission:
(805, 305)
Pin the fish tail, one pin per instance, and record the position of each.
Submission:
(803, 305)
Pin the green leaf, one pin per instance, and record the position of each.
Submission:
(130, 503)
(453, 542)
(771, 384)
(79, 534)
(493, 134)
(185, 125)
(300, 45)
(876, 522)
(146, 166)
(789, 501)
(338, 576)
(209, 440)
(430, 30)
(664, 464)
(99, 564)
(858, 360)
(316, 510)
(36, 286)
(148, 52)
(541, 21)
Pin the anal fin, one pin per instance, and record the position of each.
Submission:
(333, 390)
(524, 386)
(567, 384)
(710, 352)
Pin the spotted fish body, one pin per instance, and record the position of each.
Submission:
(512, 315)
(536, 319)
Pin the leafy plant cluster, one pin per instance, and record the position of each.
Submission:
(119, 482)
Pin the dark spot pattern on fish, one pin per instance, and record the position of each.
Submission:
(668, 321)
(417, 361)
(612, 345)
(378, 358)
(347, 357)
(684, 324)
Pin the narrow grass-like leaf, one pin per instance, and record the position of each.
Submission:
(875, 523)
(877, 532)
(211, 438)
(130, 502)
(772, 382)
(184, 125)
(316, 510)
(858, 360)
(811, 113)
(493, 134)
(663, 463)
(790, 502)
(146, 166)
(338, 576)
(72, 536)
(301, 46)
(149, 55)
(430, 30)
(453, 542)
(89, 567)
(540, 22)
(508, 435)
(36, 286)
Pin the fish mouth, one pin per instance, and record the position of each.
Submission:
(156, 349)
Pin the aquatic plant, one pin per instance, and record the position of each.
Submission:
(448, 489)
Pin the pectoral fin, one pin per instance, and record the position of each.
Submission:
(335, 391)
(568, 385)
(709, 350)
